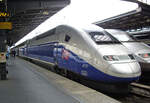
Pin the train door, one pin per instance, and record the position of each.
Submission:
(60, 58)
(55, 53)
(68, 57)
(61, 54)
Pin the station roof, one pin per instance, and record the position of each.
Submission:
(135, 19)
(26, 15)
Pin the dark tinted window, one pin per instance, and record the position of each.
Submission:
(98, 36)
(67, 38)
(102, 37)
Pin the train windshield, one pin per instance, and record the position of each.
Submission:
(102, 37)
(121, 36)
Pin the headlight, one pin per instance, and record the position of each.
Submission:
(145, 55)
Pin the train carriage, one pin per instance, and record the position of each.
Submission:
(87, 51)
(140, 50)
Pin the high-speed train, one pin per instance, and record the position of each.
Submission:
(140, 50)
(88, 51)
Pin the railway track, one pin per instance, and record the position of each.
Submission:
(139, 93)
(140, 89)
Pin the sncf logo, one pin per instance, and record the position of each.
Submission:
(65, 54)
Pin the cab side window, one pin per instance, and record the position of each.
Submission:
(67, 38)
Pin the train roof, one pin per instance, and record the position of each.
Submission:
(48, 33)
(92, 27)
(85, 27)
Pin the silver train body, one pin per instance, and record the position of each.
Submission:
(140, 50)
(88, 51)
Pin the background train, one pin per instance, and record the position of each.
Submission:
(140, 50)
(89, 52)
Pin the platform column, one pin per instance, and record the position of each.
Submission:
(3, 71)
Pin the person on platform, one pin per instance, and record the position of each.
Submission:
(14, 53)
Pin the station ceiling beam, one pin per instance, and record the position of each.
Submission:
(26, 15)
(132, 20)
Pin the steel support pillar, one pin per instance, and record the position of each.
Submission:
(3, 71)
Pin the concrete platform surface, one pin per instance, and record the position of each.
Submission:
(29, 83)
(26, 86)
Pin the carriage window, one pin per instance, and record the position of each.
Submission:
(67, 38)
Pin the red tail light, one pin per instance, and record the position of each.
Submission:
(145, 55)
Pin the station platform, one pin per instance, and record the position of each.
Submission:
(29, 83)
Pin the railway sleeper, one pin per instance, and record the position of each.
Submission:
(141, 92)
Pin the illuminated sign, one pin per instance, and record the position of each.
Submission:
(4, 14)
(2, 1)
(5, 25)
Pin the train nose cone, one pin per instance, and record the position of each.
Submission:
(131, 69)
